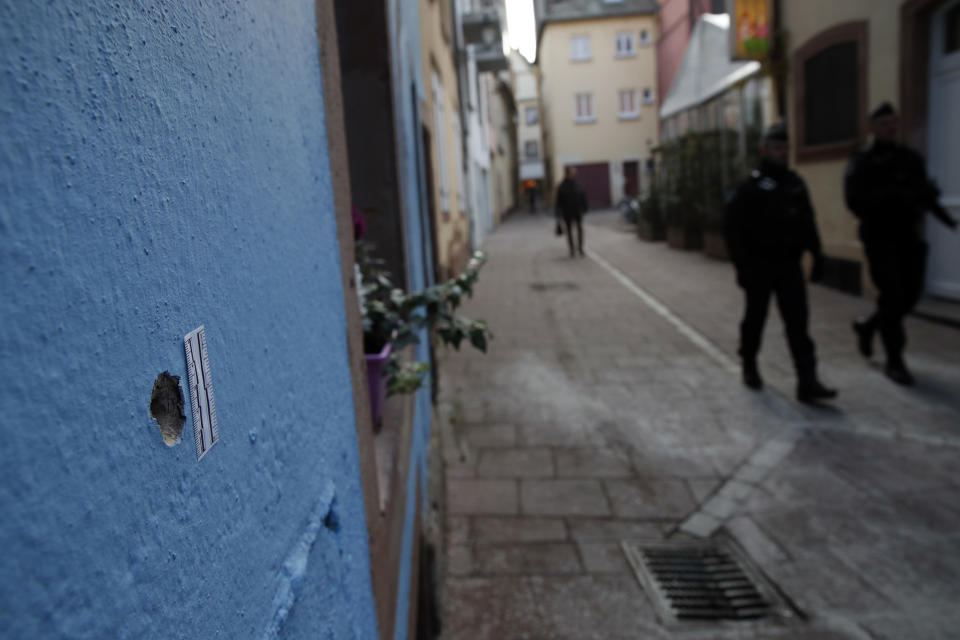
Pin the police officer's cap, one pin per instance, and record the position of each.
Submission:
(776, 132)
(885, 109)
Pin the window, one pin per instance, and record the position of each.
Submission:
(583, 108)
(625, 48)
(531, 117)
(831, 72)
(580, 48)
(531, 149)
(829, 92)
(644, 38)
(628, 109)
(648, 96)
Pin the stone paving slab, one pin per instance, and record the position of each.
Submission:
(600, 414)
(489, 435)
(585, 607)
(522, 529)
(643, 498)
(563, 498)
(612, 529)
(603, 557)
(528, 462)
(475, 496)
(527, 559)
(592, 463)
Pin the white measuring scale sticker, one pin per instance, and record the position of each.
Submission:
(205, 430)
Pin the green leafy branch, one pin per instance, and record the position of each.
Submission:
(392, 315)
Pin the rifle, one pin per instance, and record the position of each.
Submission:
(931, 203)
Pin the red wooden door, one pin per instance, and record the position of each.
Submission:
(595, 179)
(631, 178)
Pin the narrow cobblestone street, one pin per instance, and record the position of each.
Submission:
(610, 408)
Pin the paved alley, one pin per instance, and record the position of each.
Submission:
(609, 408)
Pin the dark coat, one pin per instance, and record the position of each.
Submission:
(769, 221)
(887, 188)
(571, 200)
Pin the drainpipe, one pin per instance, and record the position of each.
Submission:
(461, 60)
(779, 61)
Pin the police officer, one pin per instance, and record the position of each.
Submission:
(887, 188)
(769, 224)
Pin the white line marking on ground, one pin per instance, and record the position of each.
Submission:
(711, 514)
(697, 338)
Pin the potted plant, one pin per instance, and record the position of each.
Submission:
(394, 319)
(719, 154)
(684, 224)
(651, 226)
(684, 201)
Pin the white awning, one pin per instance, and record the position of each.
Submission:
(531, 171)
(706, 69)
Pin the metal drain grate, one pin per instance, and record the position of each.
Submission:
(554, 286)
(693, 582)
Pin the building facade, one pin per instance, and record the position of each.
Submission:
(502, 134)
(529, 136)
(442, 131)
(156, 164)
(480, 33)
(862, 53)
(385, 88)
(597, 78)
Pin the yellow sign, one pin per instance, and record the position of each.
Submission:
(751, 29)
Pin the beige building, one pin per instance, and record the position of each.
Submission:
(441, 130)
(845, 59)
(597, 75)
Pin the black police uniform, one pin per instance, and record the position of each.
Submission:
(887, 188)
(768, 224)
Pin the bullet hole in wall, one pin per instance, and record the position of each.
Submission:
(166, 407)
(332, 519)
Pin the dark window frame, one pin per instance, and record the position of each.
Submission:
(856, 32)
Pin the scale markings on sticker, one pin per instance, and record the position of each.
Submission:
(205, 430)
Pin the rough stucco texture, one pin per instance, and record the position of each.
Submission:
(163, 167)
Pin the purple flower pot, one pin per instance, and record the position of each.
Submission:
(377, 381)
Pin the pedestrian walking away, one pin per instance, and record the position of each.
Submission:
(887, 189)
(530, 187)
(769, 224)
(571, 204)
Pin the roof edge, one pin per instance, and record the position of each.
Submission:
(609, 16)
(748, 69)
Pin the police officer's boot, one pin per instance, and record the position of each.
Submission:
(751, 374)
(864, 327)
(897, 371)
(810, 389)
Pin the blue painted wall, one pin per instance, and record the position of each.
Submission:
(163, 166)
(409, 92)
